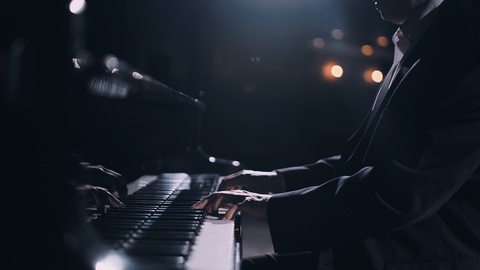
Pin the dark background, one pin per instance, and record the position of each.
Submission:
(254, 65)
(252, 62)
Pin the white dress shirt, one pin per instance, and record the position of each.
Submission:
(404, 39)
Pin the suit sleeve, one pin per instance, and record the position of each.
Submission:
(390, 195)
(309, 175)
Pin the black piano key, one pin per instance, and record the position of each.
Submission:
(173, 216)
(143, 202)
(163, 262)
(171, 222)
(164, 235)
(116, 235)
(126, 215)
(118, 227)
(170, 227)
(158, 250)
(134, 209)
(155, 242)
(177, 203)
(179, 208)
(117, 224)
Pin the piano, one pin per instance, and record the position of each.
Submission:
(157, 229)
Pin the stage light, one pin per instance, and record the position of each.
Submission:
(77, 6)
(382, 41)
(137, 75)
(377, 76)
(372, 75)
(337, 33)
(318, 43)
(113, 261)
(111, 62)
(331, 71)
(367, 50)
(337, 71)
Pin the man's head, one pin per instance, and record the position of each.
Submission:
(396, 11)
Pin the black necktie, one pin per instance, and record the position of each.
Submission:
(401, 46)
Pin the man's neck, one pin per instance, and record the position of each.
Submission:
(417, 22)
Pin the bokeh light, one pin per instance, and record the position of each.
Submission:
(367, 50)
(337, 33)
(372, 76)
(318, 43)
(382, 41)
(77, 6)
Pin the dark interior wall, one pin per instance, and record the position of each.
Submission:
(254, 65)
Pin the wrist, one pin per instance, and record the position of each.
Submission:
(280, 182)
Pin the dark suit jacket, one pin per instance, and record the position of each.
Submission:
(405, 193)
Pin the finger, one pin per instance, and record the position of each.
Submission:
(119, 186)
(230, 182)
(99, 201)
(218, 202)
(201, 204)
(116, 181)
(110, 198)
(114, 202)
(230, 213)
(108, 178)
(213, 205)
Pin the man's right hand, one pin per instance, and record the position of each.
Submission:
(255, 181)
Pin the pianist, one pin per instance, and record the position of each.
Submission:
(404, 193)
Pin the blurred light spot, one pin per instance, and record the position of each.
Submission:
(372, 75)
(77, 6)
(235, 163)
(382, 41)
(367, 50)
(114, 70)
(212, 159)
(76, 63)
(377, 76)
(318, 43)
(337, 71)
(111, 262)
(255, 59)
(137, 76)
(111, 62)
(337, 33)
(331, 71)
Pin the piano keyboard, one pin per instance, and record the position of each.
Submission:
(158, 229)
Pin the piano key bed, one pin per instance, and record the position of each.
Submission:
(158, 229)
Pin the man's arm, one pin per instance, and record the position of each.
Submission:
(390, 195)
(281, 180)
(309, 175)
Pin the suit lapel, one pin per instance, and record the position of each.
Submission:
(358, 146)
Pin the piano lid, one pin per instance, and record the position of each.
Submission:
(119, 80)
